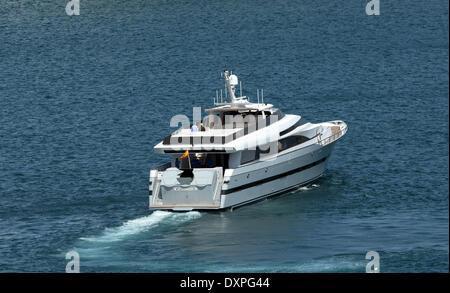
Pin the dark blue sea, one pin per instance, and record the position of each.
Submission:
(83, 100)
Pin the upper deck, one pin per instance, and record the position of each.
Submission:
(231, 126)
(230, 137)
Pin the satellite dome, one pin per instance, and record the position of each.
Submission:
(233, 80)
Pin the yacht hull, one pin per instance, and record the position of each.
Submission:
(288, 172)
(262, 179)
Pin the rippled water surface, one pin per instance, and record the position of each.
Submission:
(83, 100)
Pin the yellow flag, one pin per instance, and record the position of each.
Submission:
(186, 153)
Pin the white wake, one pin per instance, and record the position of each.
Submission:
(140, 225)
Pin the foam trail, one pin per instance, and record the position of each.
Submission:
(139, 225)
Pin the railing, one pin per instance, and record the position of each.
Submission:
(333, 137)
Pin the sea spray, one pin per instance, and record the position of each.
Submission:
(305, 188)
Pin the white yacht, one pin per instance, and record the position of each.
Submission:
(241, 152)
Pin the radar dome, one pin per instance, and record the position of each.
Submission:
(233, 80)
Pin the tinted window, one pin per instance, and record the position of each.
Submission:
(291, 141)
(248, 156)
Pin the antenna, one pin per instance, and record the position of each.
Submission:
(257, 94)
(262, 95)
(217, 96)
(240, 87)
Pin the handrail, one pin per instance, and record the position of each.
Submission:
(321, 141)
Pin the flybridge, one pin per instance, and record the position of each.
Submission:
(240, 133)
(225, 123)
(224, 127)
